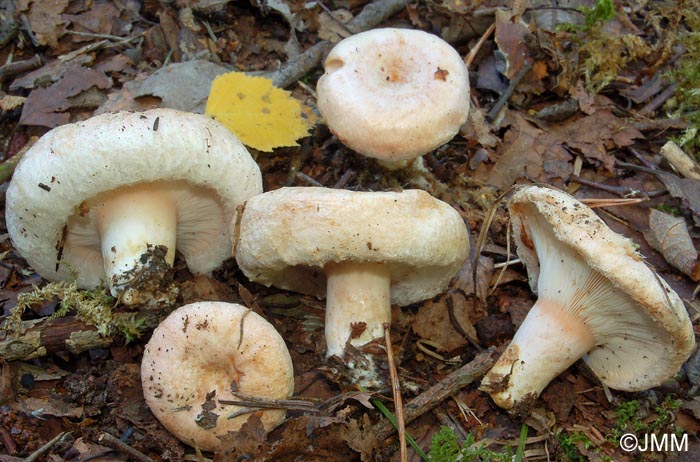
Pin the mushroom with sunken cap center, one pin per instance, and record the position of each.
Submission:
(363, 251)
(112, 198)
(206, 354)
(394, 94)
(597, 300)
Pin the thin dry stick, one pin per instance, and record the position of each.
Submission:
(505, 267)
(595, 203)
(483, 235)
(36, 455)
(118, 445)
(472, 53)
(371, 16)
(433, 396)
(396, 392)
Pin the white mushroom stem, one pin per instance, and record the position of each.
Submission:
(356, 293)
(549, 340)
(129, 220)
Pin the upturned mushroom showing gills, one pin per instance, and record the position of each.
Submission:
(394, 94)
(111, 199)
(205, 354)
(360, 250)
(597, 300)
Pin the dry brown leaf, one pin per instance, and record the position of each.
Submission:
(85, 450)
(433, 322)
(51, 72)
(300, 438)
(46, 106)
(183, 86)
(669, 235)
(509, 37)
(99, 20)
(687, 189)
(10, 102)
(329, 29)
(477, 128)
(522, 155)
(46, 20)
(595, 135)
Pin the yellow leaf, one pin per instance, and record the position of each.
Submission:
(262, 116)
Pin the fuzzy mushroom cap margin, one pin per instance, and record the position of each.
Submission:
(287, 236)
(641, 329)
(201, 353)
(200, 162)
(394, 94)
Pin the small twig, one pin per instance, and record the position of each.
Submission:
(680, 160)
(98, 36)
(307, 179)
(33, 457)
(658, 100)
(371, 16)
(646, 125)
(622, 191)
(255, 402)
(80, 51)
(118, 445)
(7, 440)
(433, 396)
(641, 158)
(469, 59)
(396, 393)
(343, 180)
(28, 29)
(447, 420)
(503, 100)
(507, 262)
(335, 19)
(596, 203)
(10, 69)
(457, 325)
(210, 31)
(483, 235)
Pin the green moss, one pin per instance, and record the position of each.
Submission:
(686, 101)
(602, 12)
(568, 446)
(94, 307)
(446, 448)
(629, 420)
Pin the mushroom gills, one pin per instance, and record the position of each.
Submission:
(133, 232)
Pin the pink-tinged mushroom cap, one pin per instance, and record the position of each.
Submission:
(99, 198)
(200, 355)
(597, 300)
(394, 94)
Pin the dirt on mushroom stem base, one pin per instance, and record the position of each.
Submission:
(149, 282)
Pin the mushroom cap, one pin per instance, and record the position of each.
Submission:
(286, 237)
(638, 346)
(196, 358)
(394, 94)
(200, 161)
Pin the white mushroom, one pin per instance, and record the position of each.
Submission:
(394, 94)
(363, 250)
(597, 300)
(112, 198)
(208, 352)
